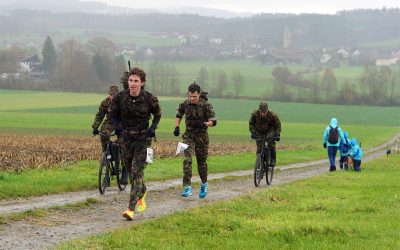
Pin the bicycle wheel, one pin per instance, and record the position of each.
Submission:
(269, 171)
(104, 174)
(258, 171)
(121, 186)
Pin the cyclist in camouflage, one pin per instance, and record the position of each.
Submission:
(106, 125)
(132, 109)
(264, 122)
(199, 115)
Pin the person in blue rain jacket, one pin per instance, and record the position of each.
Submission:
(356, 154)
(333, 134)
(344, 149)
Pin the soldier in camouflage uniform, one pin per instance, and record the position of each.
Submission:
(124, 80)
(132, 110)
(199, 115)
(106, 125)
(265, 123)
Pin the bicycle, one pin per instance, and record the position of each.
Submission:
(110, 165)
(263, 163)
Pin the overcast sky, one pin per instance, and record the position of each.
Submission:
(257, 6)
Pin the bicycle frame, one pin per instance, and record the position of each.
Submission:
(110, 166)
(265, 152)
(263, 162)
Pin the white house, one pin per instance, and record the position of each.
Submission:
(29, 63)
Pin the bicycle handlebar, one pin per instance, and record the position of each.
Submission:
(266, 138)
(108, 135)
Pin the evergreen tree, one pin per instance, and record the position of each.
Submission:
(49, 56)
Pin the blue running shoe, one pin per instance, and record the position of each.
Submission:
(187, 191)
(203, 190)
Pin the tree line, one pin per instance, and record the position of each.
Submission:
(74, 66)
(376, 86)
(346, 28)
(93, 67)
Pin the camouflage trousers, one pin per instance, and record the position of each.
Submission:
(105, 129)
(198, 145)
(271, 143)
(133, 156)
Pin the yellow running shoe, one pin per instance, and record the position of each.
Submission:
(128, 214)
(141, 204)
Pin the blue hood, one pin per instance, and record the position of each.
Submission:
(345, 134)
(353, 142)
(334, 123)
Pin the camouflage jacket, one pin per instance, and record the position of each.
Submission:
(134, 114)
(201, 112)
(264, 125)
(103, 112)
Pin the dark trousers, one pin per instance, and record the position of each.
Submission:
(332, 150)
(343, 161)
(357, 165)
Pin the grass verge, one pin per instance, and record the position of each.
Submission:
(83, 175)
(341, 210)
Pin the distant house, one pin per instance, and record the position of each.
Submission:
(149, 53)
(283, 56)
(29, 64)
(325, 58)
(216, 41)
(390, 60)
(343, 53)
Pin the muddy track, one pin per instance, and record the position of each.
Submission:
(163, 198)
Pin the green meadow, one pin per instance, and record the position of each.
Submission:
(38, 112)
(258, 79)
(54, 113)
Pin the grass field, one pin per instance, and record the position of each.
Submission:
(25, 112)
(341, 210)
(73, 113)
(57, 103)
(258, 77)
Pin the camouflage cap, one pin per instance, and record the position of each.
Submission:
(113, 90)
(263, 107)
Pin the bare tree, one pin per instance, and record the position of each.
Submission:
(202, 77)
(238, 82)
(282, 76)
(74, 70)
(9, 60)
(154, 77)
(394, 83)
(174, 81)
(101, 46)
(370, 82)
(386, 76)
(222, 83)
(315, 87)
(330, 83)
